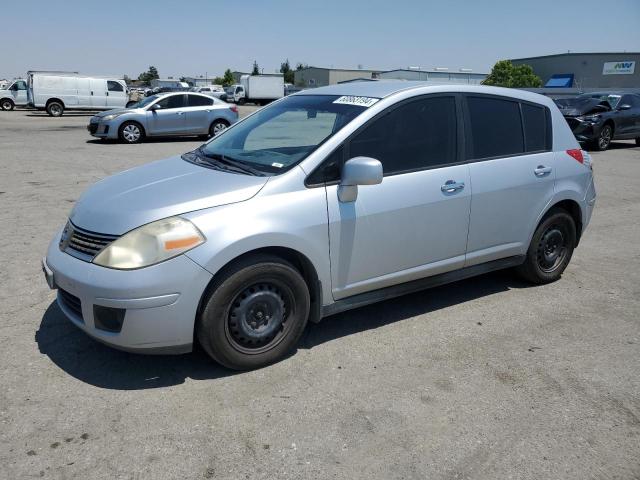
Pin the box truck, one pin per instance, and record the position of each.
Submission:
(258, 89)
(56, 92)
(14, 95)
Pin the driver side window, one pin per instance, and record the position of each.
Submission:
(174, 101)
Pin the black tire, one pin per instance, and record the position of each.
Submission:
(242, 101)
(604, 138)
(218, 126)
(7, 104)
(638, 141)
(131, 132)
(254, 314)
(55, 108)
(551, 248)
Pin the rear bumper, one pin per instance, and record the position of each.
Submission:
(159, 303)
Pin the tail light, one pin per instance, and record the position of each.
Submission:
(581, 156)
(233, 108)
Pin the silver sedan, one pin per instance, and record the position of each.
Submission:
(169, 114)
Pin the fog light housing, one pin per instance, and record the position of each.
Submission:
(108, 319)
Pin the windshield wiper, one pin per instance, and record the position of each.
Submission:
(232, 163)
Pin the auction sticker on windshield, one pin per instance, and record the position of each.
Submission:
(358, 101)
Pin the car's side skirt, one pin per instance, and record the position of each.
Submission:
(387, 293)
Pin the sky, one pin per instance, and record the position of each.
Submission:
(204, 37)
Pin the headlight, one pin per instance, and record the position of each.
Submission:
(106, 118)
(591, 118)
(150, 244)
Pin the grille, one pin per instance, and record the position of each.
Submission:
(93, 128)
(82, 243)
(573, 123)
(71, 302)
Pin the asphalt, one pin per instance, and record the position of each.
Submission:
(485, 379)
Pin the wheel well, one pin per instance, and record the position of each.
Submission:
(223, 120)
(573, 209)
(7, 98)
(295, 258)
(54, 100)
(612, 124)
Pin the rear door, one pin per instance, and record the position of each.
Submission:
(198, 114)
(512, 173)
(116, 94)
(415, 223)
(170, 119)
(98, 92)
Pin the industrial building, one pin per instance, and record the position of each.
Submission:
(586, 71)
(462, 76)
(320, 77)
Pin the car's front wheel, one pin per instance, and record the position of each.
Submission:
(130, 132)
(551, 248)
(254, 314)
(6, 104)
(604, 139)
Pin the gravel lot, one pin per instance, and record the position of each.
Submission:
(483, 379)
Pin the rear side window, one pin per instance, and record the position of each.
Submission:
(535, 128)
(496, 128)
(198, 101)
(417, 135)
(114, 86)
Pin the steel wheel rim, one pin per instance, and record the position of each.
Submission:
(259, 317)
(6, 105)
(605, 137)
(218, 127)
(55, 109)
(131, 133)
(552, 248)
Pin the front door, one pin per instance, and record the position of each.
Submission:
(512, 172)
(19, 92)
(116, 94)
(415, 223)
(170, 118)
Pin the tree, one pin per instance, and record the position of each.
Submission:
(287, 73)
(506, 74)
(256, 69)
(228, 79)
(149, 75)
(301, 66)
(218, 81)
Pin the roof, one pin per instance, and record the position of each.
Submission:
(381, 89)
(577, 54)
(341, 69)
(432, 71)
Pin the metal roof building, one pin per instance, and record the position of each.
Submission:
(586, 70)
(435, 76)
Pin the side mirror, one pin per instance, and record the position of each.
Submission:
(156, 106)
(358, 171)
(624, 106)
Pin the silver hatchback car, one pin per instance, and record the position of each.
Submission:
(323, 201)
(169, 114)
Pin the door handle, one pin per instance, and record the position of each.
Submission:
(91, 92)
(451, 186)
(541, 170)
(179, 113)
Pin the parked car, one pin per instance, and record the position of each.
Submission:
(326, 200)
(56, 92)
(598, 118)
(14, 95)
(172, 114)
(212, 91)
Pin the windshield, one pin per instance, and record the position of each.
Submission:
(612, 99)
(145, 101)
(281, 135)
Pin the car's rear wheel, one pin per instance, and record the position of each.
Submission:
(604, 139)
(254, 314)
(551, 248)
(217, 127)
(131, 132)
(7, 104)
(55, 108)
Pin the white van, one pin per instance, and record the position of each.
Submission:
(57, 92)
(15, 94)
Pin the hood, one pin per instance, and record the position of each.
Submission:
(114, 111)
(158, 190)
(570, 107)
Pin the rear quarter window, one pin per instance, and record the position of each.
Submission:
(535, 127)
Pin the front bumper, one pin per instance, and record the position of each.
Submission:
(102, 130)
(584, 131)
(159, 302)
